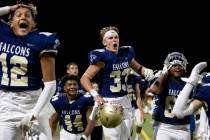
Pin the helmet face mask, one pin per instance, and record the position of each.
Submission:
(111, 115)
(176, 58)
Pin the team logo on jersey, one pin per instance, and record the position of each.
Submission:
(57, 43)
(92, 57)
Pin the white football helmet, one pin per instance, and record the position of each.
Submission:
(176, 58)
(110, 115)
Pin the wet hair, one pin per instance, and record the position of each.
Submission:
(67, 77)
(105, 29)
(30, 6)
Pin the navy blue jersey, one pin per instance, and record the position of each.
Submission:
(131, 83)
(116, 69)
(72, 114)
(20, 67)
(165, 101)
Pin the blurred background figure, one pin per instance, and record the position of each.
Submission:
(134, 91)
(97, 133)
(72, 111)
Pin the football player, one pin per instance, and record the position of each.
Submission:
(97, 133)
(166, 89)
(72, 111)
(71, 69)
(134, 91)
(27, 63)
(116, 62)
(201, 99)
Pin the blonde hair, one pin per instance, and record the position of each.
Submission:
(106, 29)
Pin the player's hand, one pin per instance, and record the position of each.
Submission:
(166, 69)
(14, 7)
(194, 76)
(27, 121)
(99, 100)
(148, 74)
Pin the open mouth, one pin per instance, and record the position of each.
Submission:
(23, 25)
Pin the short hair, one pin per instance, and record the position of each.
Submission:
(67, 77)
(71, 63)
(105, 29)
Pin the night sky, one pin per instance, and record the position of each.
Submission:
(153, 29)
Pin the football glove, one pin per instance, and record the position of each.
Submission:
(148, 74)
(165, 70)
(26, 121)
(194, 76)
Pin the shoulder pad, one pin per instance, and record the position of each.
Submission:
(99, 50)
(96, 56)
(206, 78)
(46, 33)
(126, 47)
(87, 95)
(127, 50)
(52, 42)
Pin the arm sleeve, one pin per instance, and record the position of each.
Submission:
(46, 95)
(182, 107)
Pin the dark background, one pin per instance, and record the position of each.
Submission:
(153, 29)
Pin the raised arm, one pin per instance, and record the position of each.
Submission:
(7, 9)
(182, 105)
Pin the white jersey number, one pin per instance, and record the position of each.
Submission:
(77, 123)
(17, 71)
(117, 75)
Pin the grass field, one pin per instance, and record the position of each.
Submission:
(146, 133)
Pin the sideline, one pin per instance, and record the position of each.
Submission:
(145, 135)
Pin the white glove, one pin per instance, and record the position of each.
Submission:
(166, 69)
(26, 121)
(148, 74)
(158, 73)
(194, 76)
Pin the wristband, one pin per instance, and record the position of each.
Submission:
(93, 93)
